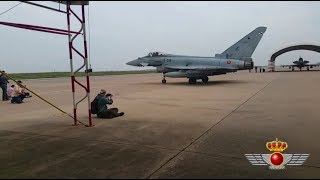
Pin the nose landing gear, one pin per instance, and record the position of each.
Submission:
(164, 79)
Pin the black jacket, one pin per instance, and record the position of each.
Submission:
(3, 80)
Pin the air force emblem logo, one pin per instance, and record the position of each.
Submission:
(277, 160)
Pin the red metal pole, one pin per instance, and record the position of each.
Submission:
(36, 27)
(71, 67)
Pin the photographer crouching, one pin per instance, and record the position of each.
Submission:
(103, 112)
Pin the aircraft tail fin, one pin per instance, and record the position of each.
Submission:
(245, 47)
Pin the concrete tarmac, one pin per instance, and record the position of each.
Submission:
(172, 130)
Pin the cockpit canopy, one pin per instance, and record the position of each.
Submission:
(155, 54)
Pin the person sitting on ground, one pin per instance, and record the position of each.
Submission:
(18, 93)
(10, 91)
(103, 111)
(28, 95)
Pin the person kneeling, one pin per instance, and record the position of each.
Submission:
(18, 93)
(103, 112)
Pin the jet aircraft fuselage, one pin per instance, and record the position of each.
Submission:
(300, 64)
(237, 57)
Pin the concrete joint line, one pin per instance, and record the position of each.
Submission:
(201, 135)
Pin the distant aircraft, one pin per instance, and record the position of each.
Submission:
(300, 64)
(236, 57)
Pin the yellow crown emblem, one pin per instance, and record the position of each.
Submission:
(277, 146)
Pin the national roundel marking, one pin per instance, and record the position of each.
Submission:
(228, 62)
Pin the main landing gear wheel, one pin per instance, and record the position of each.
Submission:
(192, 80)
(205, 79)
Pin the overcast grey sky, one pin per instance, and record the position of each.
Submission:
(123, 31)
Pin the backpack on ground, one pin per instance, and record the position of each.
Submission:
(94, 106)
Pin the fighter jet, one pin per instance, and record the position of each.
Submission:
(300, 64)
(237, 57)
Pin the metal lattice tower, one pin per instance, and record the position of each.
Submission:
(72, 35)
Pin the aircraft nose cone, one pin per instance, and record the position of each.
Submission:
(134, 63)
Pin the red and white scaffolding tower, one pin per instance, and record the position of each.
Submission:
(72, 35)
